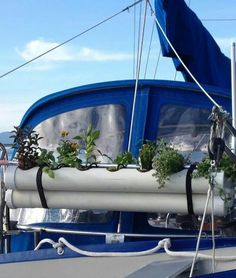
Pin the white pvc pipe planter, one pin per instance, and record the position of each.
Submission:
(123, 190)
(142, 202)
(102, 180)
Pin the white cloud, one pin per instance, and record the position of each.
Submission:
(88, 54)
(37, 47)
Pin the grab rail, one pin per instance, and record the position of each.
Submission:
(32, 228)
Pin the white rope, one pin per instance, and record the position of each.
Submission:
(63, 242)
(192, 254)
(200, 231)
(165, 243)
(181, 61)
(213, 231)
(57, 245)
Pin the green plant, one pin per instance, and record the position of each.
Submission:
(26, 142)
(167, 161)
(226, 198)
(47, 160)
(146, 154)
(226, 165)
(29, 154)
(87, 141)
(122, 160)
(203, 169)
(68, 152)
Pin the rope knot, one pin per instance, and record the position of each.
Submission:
(60, 247)
(165, 243)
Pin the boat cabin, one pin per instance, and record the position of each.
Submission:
(175, 111)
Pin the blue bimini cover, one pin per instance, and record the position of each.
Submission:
(193, 43)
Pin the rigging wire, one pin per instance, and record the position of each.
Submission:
(137, 76)
(157, 64)
(181, 61)
(175, 75)
(72, 38)
(149, 49)
(139, 35)
(134, 42)
(218, 19)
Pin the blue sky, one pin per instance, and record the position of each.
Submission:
(29, 27)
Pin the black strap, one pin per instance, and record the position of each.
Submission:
(189, 188)
(40, 188)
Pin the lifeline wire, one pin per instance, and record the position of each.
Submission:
(69, 40)
(177, 55)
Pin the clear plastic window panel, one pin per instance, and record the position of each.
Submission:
(186, 129)
(39, 215)
(110, 120)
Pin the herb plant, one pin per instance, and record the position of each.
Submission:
(47, 160)
(228, 167)
(124, 159)
(68, 152)
(167, 161)
(26, 142)
(203, 169)
(161, 157)
(87, 141)
(146, 155)
(225, 165)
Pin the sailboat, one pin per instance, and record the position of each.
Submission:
(93, 222)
